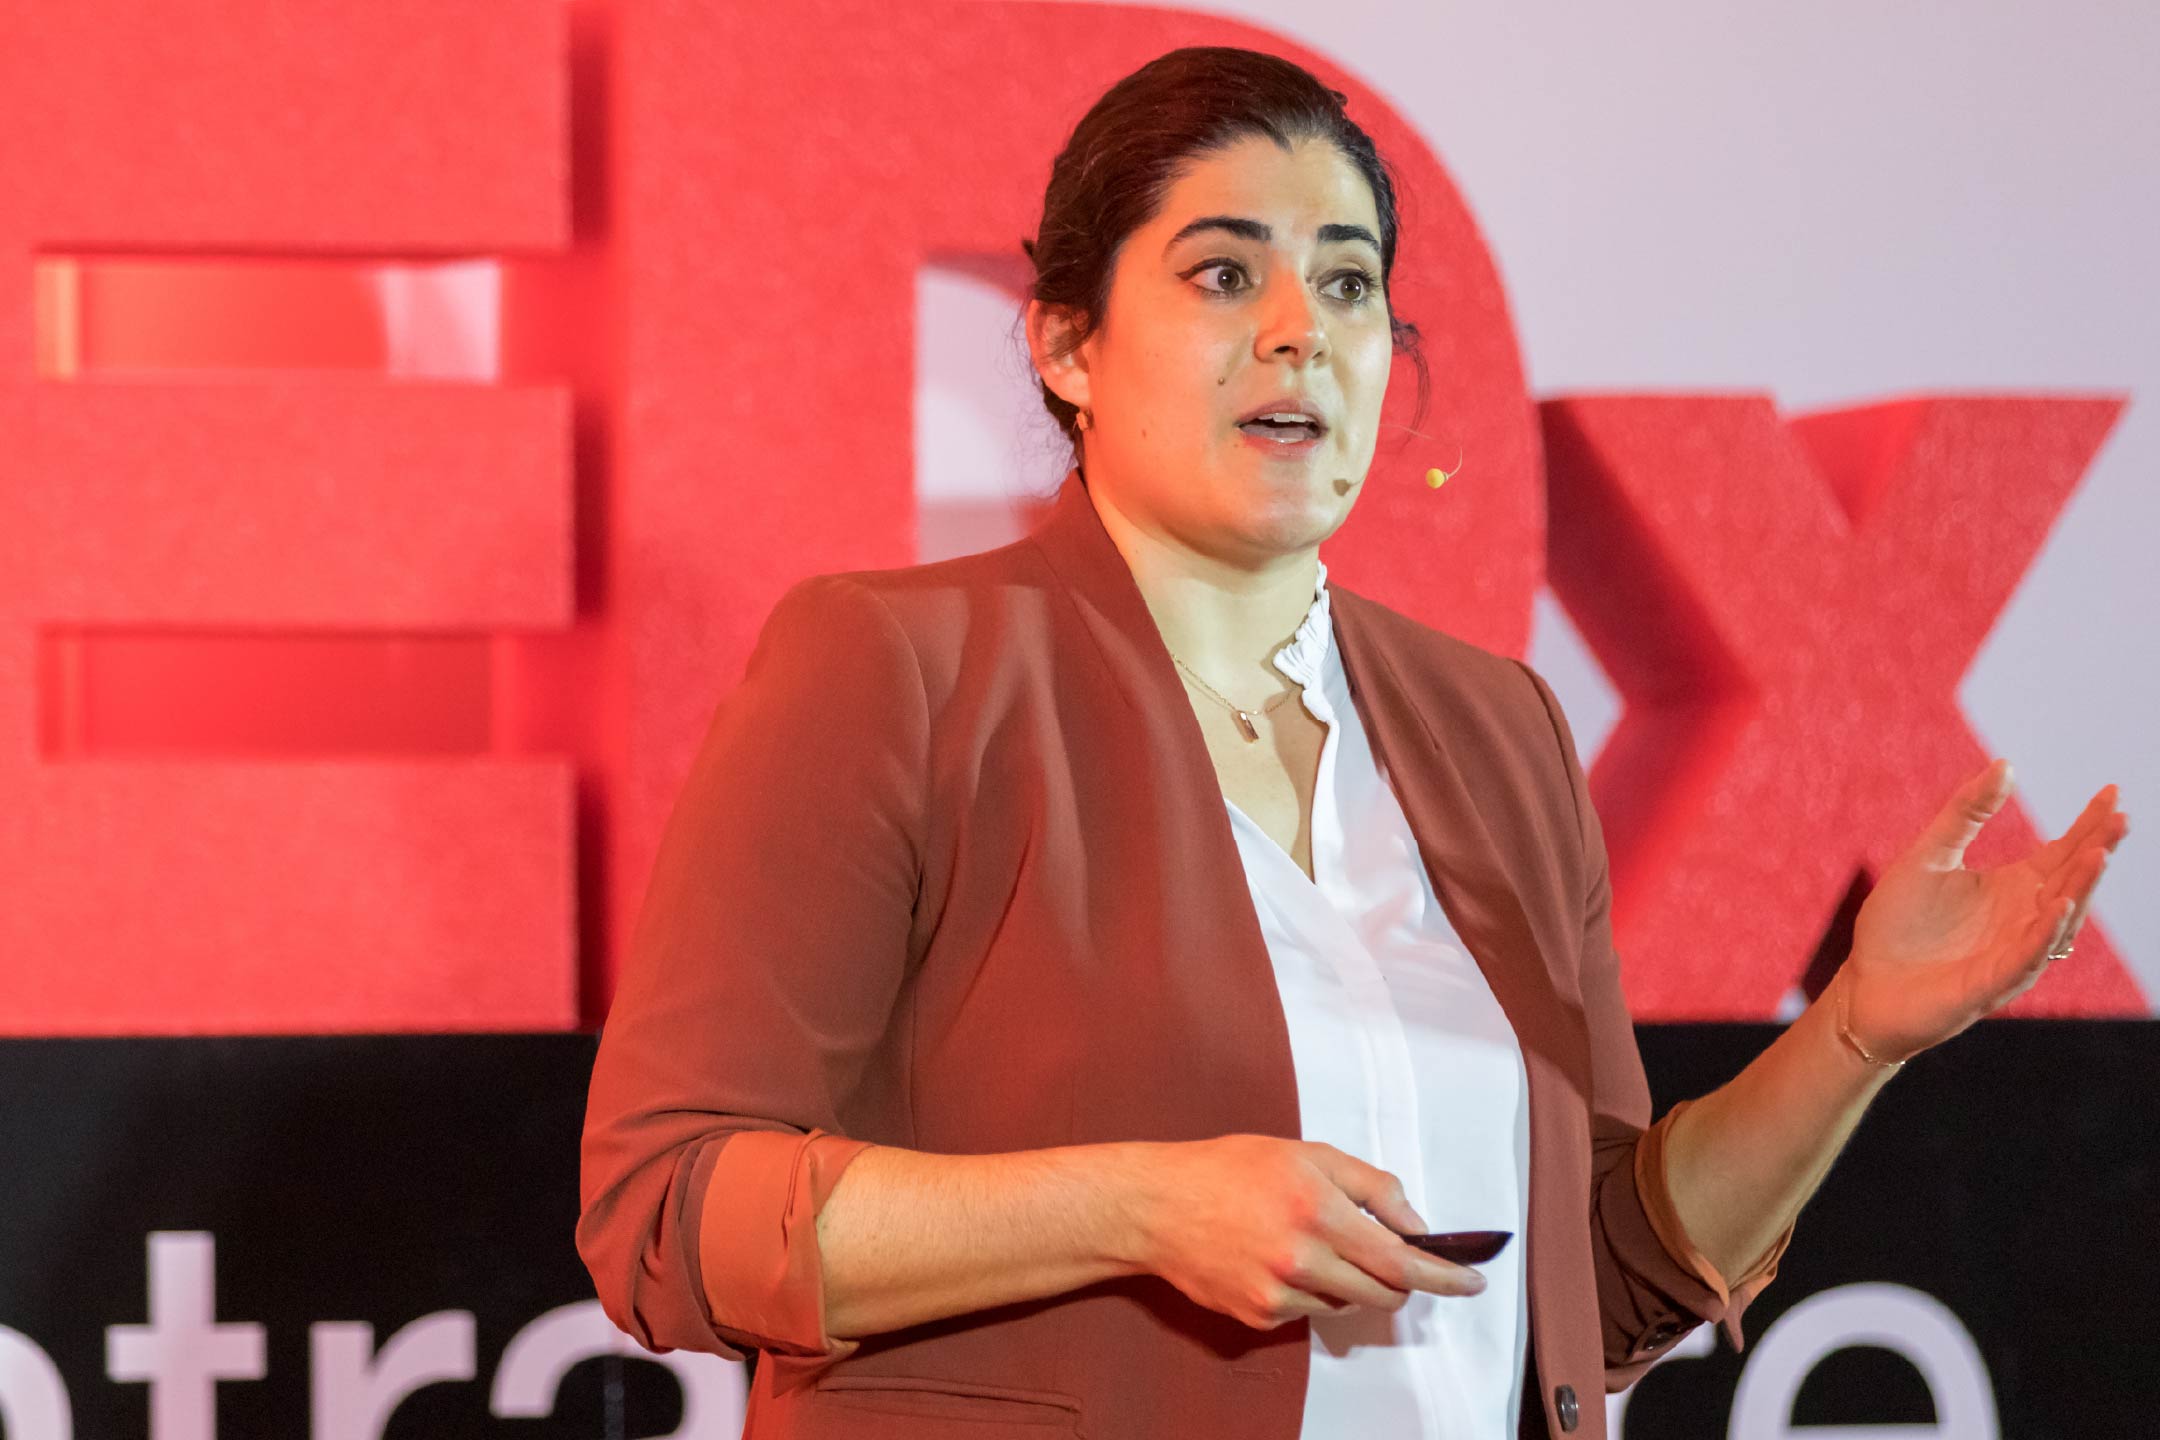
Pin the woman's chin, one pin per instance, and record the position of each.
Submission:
(1299, 519)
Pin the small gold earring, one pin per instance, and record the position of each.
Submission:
(1084, 419)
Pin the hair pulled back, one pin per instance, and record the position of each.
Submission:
(1127, 151)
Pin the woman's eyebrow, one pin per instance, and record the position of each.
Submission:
(1256, 231)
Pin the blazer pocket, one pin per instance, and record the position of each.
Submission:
(987, 1411)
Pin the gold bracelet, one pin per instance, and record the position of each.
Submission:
(1845, 1033)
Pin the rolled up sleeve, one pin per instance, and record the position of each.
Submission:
(756, 1239)
(761, 975)
(1654, 1286)
(1730, 1298)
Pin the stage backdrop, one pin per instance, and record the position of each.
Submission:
(406, 441)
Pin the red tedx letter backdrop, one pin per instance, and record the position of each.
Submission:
(332, 698)
(1787, 606)
(183, 884)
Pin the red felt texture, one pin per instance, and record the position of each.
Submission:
(154, 891)
(1787, 605)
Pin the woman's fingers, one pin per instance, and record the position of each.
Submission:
(2025, 959)
(2098, 819)
(1958, 823)
(1382, 1271)
(2059, 909)
(2086, 870)
(1368, 1187)
(1360, 1257)
(1297, 1300)
(1383, 1254)
(1342, 1284)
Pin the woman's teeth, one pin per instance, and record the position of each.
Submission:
(1286, 432)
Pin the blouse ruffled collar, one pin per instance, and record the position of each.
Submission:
(1301, 659)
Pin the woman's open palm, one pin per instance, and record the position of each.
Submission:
(1937, 946)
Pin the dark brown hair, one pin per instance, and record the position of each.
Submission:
(1127, 151)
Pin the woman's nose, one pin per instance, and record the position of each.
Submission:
(1292, 321)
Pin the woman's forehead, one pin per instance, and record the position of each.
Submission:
(1293, 194)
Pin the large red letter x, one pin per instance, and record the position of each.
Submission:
(1788, 607)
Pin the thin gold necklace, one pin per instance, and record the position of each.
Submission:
(1244, 716)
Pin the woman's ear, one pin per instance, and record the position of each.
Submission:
(1066, 374)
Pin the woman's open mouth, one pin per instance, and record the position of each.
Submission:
(1282, 439)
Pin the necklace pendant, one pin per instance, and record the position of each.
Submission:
(1245, 724)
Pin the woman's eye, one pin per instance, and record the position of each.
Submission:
(1217, 266)
(1362, 281)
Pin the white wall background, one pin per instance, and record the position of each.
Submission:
(1829, 203)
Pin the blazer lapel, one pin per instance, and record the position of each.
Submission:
(1425, 744)
(1194, 855)
(1101, 587)
(1414, 732)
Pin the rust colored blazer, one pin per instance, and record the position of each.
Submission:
(952, 871)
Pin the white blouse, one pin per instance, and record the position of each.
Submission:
(1405, 1060)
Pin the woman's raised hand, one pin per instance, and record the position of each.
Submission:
(1266, 1230)
(1937, 946)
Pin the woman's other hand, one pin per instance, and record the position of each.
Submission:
(1266, 1230)
(1937, 946)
